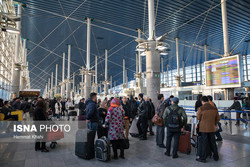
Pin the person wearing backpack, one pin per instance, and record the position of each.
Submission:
(175, 118)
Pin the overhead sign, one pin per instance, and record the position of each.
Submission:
(223, 72)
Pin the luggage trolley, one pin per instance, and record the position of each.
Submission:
(54, 136)
(72, 112)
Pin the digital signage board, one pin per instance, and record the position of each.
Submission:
(224, 72)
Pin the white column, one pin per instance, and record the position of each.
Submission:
(167, 76)
(74, 81)
(87, 86)
(24, 51)
(49, 94)
(82, 83)
(68, 76)
(124, 74)
(151, 20)
(205, 50)
(111, 85)
(201, 72)
(96, 81)
(178, 63)
(17, 68)
(184, 71)
(137, 64)
(63, 82)
(52, 86)
(139, 54)
(225, 27)
(162, 75)
(56, 79)
(106, 73)
(152, 58)
(126, 78)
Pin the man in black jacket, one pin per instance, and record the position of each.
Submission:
(133, 108)
(92, 114)
(236, 105)
(25, 106)
(82, 107)
(142, 123)
(151, 112)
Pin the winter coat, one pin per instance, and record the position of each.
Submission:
(58, 108)
(91, 111)
(208, 117)
(133, 108)
(115, 119)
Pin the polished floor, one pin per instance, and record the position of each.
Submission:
(234, 151)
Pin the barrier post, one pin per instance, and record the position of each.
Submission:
(230, 123)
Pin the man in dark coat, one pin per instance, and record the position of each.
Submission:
(92, 114)
(237, 107)
(142, 123)
(133, 108)
(82, 107)
(17, 104)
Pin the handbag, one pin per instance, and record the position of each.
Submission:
(157, 120)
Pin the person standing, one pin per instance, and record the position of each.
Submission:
(115, 119)
(40, 116)
(125, 107)
(237, 107)
(63, 107)
(208, 117)
(25, 106)
(92, 114)
(142, 123)
(150, 112)
(133, 108)
(160, 130)
(17, 104)
(175, 118)
(102, 110)
(198, 102)
(82, 107)
(58, 108)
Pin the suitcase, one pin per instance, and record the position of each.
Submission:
(198, 148)
(102, 149)
(72, 113)
(54, 136)
(81, 121)
(185, 142)
(85, 149)
(133, 131)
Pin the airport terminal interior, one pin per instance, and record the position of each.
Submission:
(84, 78)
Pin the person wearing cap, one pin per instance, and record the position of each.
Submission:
(177, 132)
(237, 107)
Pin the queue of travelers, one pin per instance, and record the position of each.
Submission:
(113, 117)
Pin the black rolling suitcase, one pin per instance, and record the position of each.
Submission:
(102, 149)
(198, 148)
(85, 149)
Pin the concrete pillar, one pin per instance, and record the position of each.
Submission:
(52, 86)
(137, 64)
(68, 88)
(126, 78)
(167, 76)
(49, 93)
(63, 75)
(205, 50)
(56, 79)
(124, 74)
(201, 72)
(196, 73)
(110, 82)
(17, 68)
(178, 79)
(225, 27)
(82, 83)
(24, 51)
(152, 58)
(105, 83)
(184, 71)
(96, 75)
(87, 86)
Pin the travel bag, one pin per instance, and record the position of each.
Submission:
(85, 148)
(102, 149)
(185, 142)
(133, 131)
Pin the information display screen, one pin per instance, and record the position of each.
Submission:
(223, 72)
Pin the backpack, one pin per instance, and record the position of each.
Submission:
(174, 120)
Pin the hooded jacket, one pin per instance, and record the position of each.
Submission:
(91, 111)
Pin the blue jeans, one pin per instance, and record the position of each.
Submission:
(92, 126)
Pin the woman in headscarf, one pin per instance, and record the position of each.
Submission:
(102, 110)
(115, 119)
